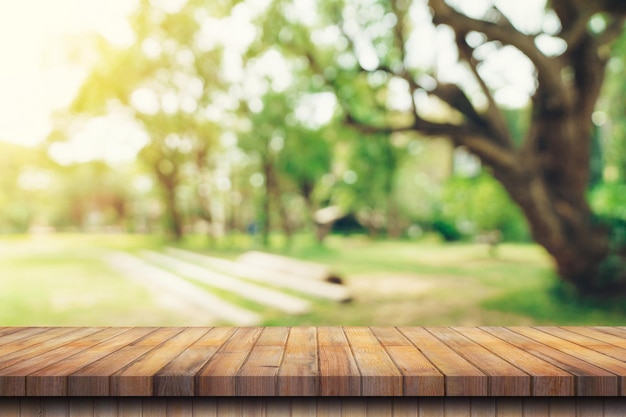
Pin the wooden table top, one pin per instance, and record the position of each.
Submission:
(313, 361)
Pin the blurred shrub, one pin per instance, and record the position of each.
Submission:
(469, 206)
(608, 200)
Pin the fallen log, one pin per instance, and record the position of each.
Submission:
(289, 266)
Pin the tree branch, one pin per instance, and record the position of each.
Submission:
(548, 69)
(489, 152)
(494, 115)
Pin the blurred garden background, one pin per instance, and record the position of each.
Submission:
(454, 162)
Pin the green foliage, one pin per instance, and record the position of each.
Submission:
(26, 175)
(608, 200)
(613, 104)
(480, 204)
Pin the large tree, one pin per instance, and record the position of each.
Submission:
(546, 172)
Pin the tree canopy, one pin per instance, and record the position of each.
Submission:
(324, 97)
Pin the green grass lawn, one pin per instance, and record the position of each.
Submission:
(63, 280)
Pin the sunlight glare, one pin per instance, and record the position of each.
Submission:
(35, 76)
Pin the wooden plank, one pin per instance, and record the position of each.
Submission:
(289, 266)
(588, 342)
(178, 376)
(274, 407)
(598, 335)
(378, 407)
(504, 378)
(106, 407)
(8, 330)
(354, 407)
(431, 407)
(204, 407)
(154, 407)
(405, 406)
(562, 407)
(10, 407)
(597, 358)
(130, 407)
(11, 353)
(136, 379)
(379, 375)
(13, 373)
(304, 406)
(262, 295)
(536, 406)
(420, 376)
(319, 289)
(457, 407)
(298, 373)
(55, 407)
(329, 407)
(547, 379)
(590, 380)
(616, 331)
(255, 407)
(31, 406)
(81, 407)
(615, 407)
(93, 379)
(339, 373)
(483, 406)
(509, 407)
(590, 406)
(52, 380)
(218, 376)
(461, 377)
(258, 375)
(138, 269)
(13, 334)
(229, 406)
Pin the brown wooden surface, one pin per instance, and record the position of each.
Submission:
(315, 361)
(312, 406)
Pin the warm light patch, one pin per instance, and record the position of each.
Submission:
(35, 78)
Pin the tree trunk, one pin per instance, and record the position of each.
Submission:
(266, 204)
(174, 219)
(561, 220)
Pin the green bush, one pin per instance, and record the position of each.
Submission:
(479, 204)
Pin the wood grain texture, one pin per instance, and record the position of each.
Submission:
(379, 375)
(461, 377)
(298, 373)
(52, 380)
(420, 376)
(339, 373)
(320, 406)
(504, 378)
(178, 376)
(30, 347)
(547, 379)
(80, 407)
(305, 362)
(590, 380)
(608, 363)
(93, 379)
(136, 379)
(218, 376)
(258, 374)
(18, 364)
